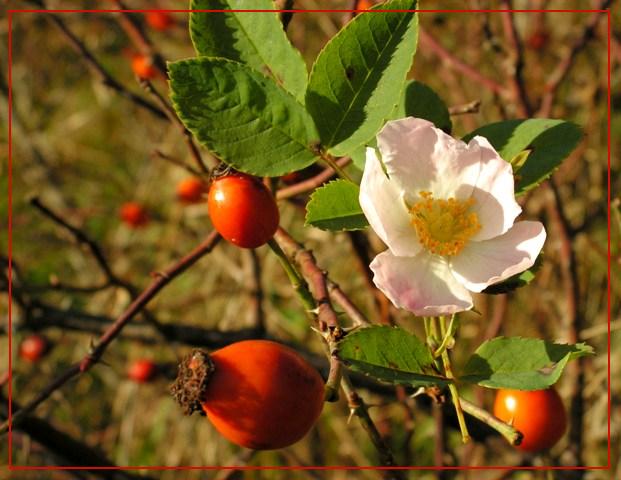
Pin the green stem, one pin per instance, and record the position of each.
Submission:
(329, 159)
(426, 320)
(298, 283)
(447, 336)
(513, 436)
(446, 361)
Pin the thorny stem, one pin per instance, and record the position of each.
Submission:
(446, 361)
(326, 318)
(98, 349)
(358, 408)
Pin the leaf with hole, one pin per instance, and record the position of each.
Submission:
(358, 77)
(520, 363)
(389, 354)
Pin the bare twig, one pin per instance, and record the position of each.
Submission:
(139, 37)
(98, 69)
(438, 439)
(160, 281)
(574, 320)
(567, 62)
(83, 239)
(311, 183)
(516, 65)
(360, 246)
(66, 447)
(256, 292)
(358, 408)
(347, 305)
(470, 107)
(428, 43)
(172, 116)
(159, 154)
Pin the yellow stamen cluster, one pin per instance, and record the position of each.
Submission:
(444, 226)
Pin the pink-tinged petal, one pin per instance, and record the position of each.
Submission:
(420, 157)
(383, 205)
(495, 202)
(422, 284)
(484, 263)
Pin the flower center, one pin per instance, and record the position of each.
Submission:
(444, 226)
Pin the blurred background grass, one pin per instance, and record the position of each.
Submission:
(85, 150)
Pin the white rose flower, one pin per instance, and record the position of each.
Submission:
(446, 210)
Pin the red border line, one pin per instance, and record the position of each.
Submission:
(10, 230)
(609, 228)
(312, 467)
(172, 10)
(13, 467)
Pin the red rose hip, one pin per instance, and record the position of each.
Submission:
(33, 348)
(257, 393)
(159, 20)
(134, 214)
(243, 210)
(142, 66)
(539, 414)
(141, 371)
(191, 190)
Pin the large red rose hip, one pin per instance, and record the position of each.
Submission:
(257, 393)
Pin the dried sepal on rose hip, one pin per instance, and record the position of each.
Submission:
(242, 210)
(257, 393)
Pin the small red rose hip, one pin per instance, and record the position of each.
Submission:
(257, 393)
(191, 190)
(538, 39)
(243, 210)
(142, 371)
(143, 67)
(159, 20)
(134, 214)
(33, 348)
(539, 414)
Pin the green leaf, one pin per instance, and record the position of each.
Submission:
(254, 38)
(358, 77)
(421, 101)
(242, 116)
(335, 207)
(549, 142)
(516, 281)
(520, 363)
(389, 354)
